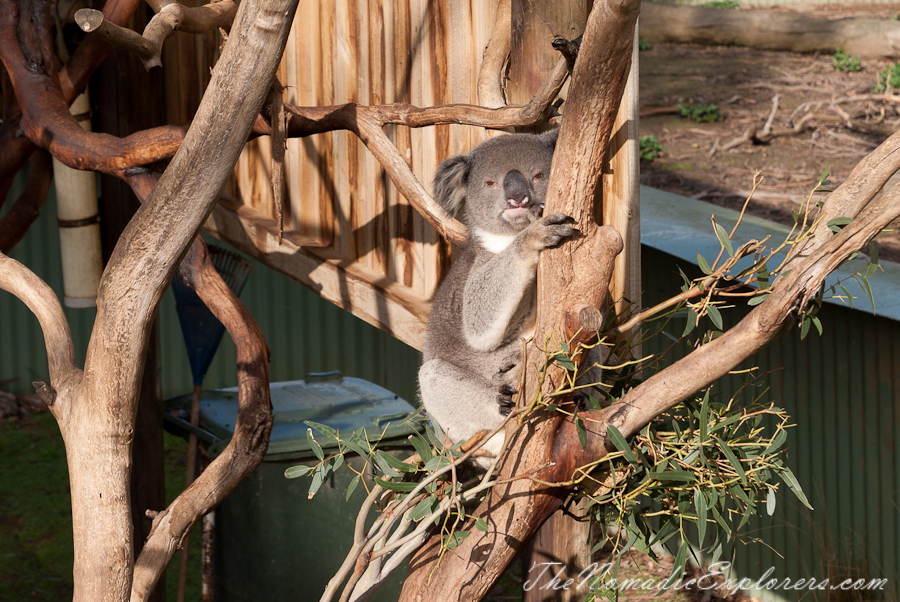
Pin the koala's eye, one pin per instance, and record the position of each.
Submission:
(538, 176)
(491, 184)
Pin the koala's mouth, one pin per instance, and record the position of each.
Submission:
(518, 211)
(516, 214)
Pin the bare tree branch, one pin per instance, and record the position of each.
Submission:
(171, 16)
(496, 57)
(26, 208)
(15, 278)
(251, 430)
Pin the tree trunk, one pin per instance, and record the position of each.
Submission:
(770, 30)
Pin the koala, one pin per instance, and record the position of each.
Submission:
(487, 303)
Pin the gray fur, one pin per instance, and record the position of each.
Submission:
(486, 305)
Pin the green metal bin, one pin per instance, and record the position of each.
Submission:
(272, 543)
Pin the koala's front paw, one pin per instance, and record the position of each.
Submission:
(551, 230)
(508, 372)
(505, 399)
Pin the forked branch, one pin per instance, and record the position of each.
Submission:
(251, 430)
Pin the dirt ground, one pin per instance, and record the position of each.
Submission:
(745, 84)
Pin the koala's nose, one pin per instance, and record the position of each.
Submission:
(516, 188)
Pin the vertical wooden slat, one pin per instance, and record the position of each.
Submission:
(621, 196)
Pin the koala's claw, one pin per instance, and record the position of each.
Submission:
(507, 373)
(552, 229)
(505, 399)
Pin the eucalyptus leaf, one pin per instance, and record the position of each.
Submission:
(722, 235)
(791, 481)
(621, 444)
(297, 471)
(396, 485)
(704, 266)
(314, 445)
(700, 505)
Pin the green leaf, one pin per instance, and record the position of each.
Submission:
(704, 416)
(666, 530)
(700, 505)
(678, 566)
(436, 442)
(870, 271)
(422, 448)
(621, 444)
(297, 471)
(748, 512)
(762, 277)
(322, 428)
(352, 487)
(436, 463)
(455, 539)
(866, 286)
(396, 485)
(384, 465)
(873, 252)
(564, 361)
(704, 267)
(318, 479)
(721, 521)
(356, 443)
(338, 462)
(777, 441)
(837, 223)
(691, 324)
(770, 502)
(314, 445)
(722, 235)
(791, 481)
(817, 323)
(481, 524)
(582, 433)
(715, 316)
(396, 463)
(423, 508)
(673, 475)
(757, 299)
(804, 328)
(732, 459)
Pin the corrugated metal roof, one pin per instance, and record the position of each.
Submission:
(680, 226)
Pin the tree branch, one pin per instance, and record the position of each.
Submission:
(15, 278)
(171, 16)
(496, 57)
(247, 447)
(26, 209)
(516, 510)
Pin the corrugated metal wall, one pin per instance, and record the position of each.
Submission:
(304, 332)
(842, 391)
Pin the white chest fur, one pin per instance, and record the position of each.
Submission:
(495, 243)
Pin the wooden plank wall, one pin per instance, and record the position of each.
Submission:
(340, 202)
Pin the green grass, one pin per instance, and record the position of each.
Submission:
(844, 62)
(701, 113)
(35, 514)
(36, 517)
(650, 148)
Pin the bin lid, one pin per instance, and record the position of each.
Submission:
(345, 404)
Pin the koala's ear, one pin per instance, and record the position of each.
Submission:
(549, 138)
(450, 183)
